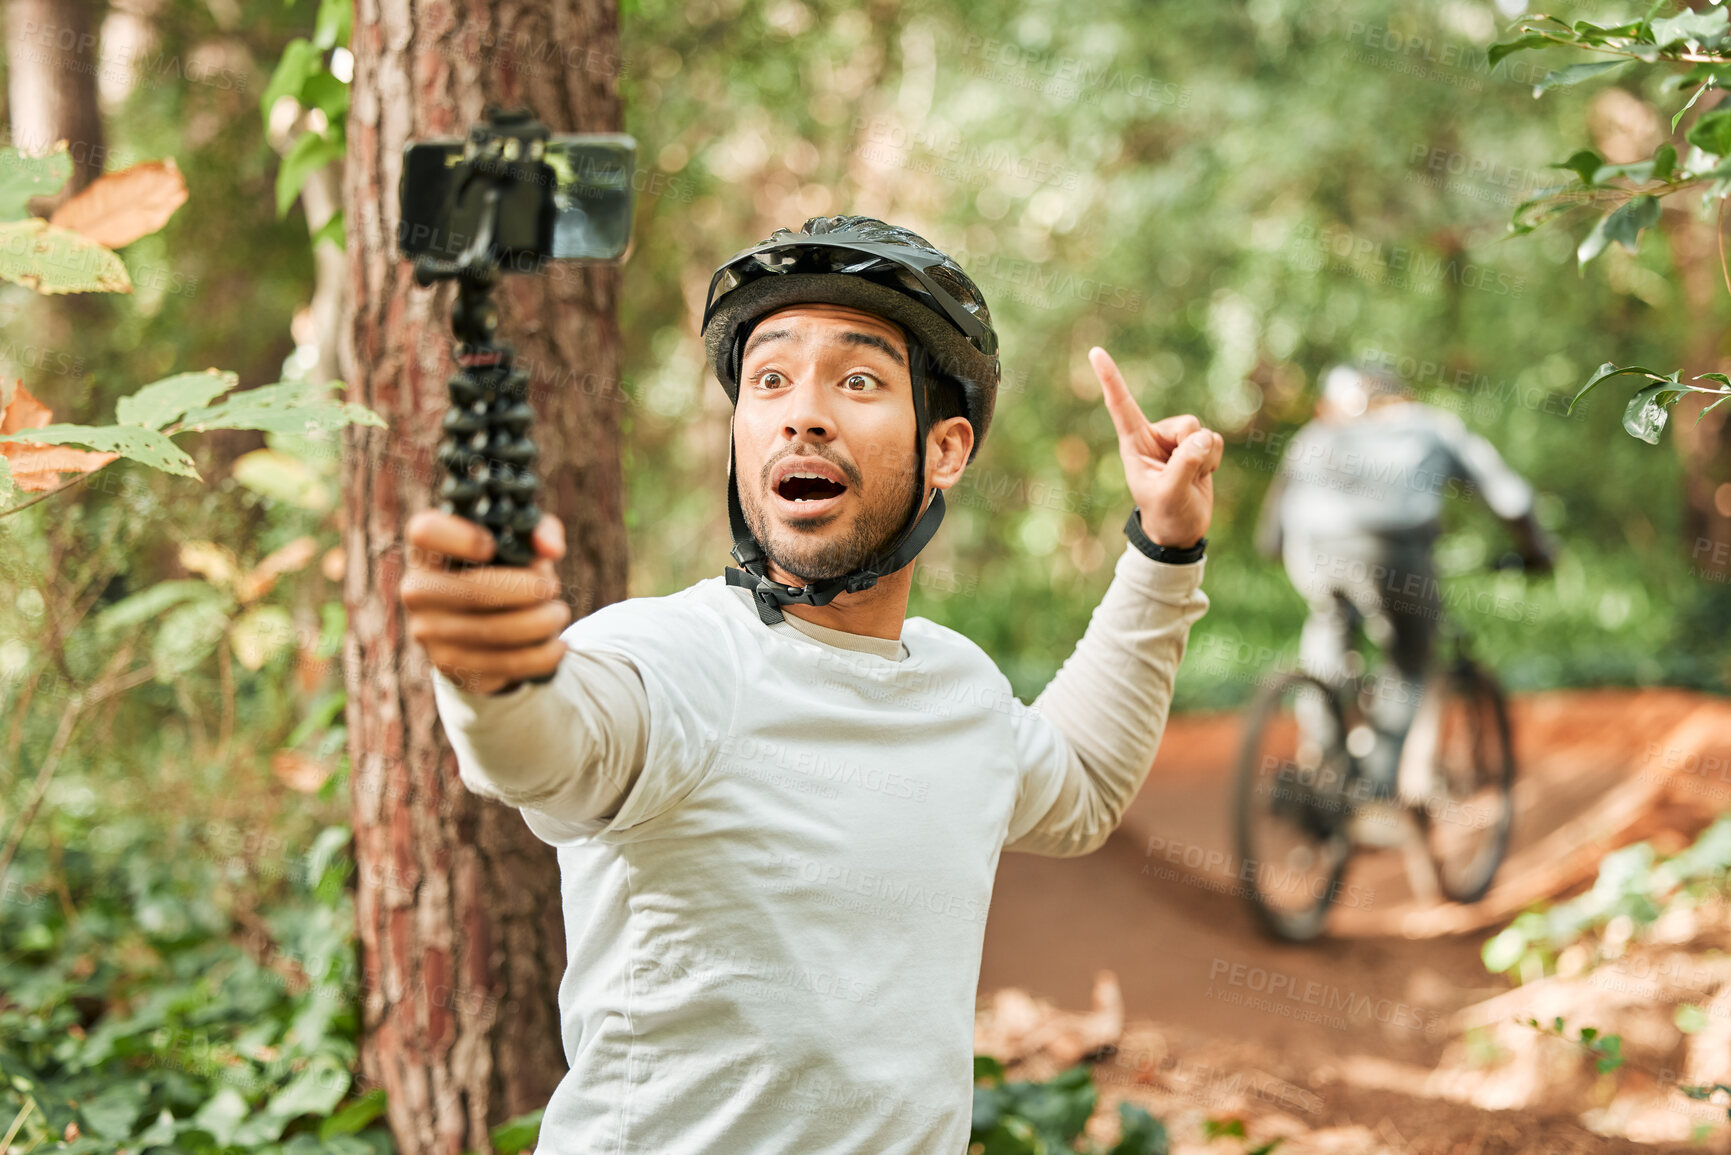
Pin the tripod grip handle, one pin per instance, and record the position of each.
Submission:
(488, 457)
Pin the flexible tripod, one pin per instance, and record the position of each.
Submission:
(486, 451)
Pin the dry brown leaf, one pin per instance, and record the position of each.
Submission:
(24, 412)
(35, 467)
(213, 562)
(257, 582)
(119, 207)
(299, 772)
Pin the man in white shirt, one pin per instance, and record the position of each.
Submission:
(778, 805)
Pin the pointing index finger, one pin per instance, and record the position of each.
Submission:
(1126, 414)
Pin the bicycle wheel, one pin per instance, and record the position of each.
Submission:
(1468, 808)
(1296, 790)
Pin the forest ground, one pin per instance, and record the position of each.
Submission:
(1363, 1041)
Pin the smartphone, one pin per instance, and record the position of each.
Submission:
(573, 203)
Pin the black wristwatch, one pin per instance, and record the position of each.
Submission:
(1170, 554)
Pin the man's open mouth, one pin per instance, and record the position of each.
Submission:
(809, 487)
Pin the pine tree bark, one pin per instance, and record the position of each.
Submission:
(460, 930)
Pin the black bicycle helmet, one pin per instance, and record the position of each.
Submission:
(890, 272)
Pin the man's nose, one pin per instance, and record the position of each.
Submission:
(809, 416)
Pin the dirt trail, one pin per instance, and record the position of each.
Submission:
(1159, 907)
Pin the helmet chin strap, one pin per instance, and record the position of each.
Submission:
(770, 595)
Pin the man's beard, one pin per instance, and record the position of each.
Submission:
(810, 558)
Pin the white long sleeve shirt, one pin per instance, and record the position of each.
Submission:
(777, 847)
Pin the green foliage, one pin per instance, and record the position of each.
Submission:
(1607, 1050)
(303, 75)
(137, 1013)
(1633, 883)
(1026, 1118)
(25, 177)
(1695, 42)
(289, 407)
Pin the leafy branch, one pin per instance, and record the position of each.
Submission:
(1698, 41)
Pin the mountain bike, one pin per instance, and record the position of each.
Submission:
(1305, 804)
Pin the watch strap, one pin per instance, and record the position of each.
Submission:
(1170, 554)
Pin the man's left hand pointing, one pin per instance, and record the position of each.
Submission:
(1168, 464)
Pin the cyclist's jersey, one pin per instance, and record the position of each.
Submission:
(1388, 473)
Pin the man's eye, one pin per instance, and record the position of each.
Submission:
(770, 380)
(858, 381)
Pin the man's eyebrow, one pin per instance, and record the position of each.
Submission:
(764, 336)
(875, 341)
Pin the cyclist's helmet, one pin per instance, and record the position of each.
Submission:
(884, 270)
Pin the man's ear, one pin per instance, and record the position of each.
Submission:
(947, 447)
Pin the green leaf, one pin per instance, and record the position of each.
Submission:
(50, 259)
(1504, 951)
(1649, 409)
(335, 19)
(1213, 1129)
(1139, 1133)
(160, 402)
(332, 231)
(299, 60)
(1690, 1019)
(1268, 1147)
(152, 603)
(1604, 373)
(221, 1115)
(285, 407)
(1584, 164)
(1574, 74)
(1705, 27)
(311, 152)
(326, 93)
(1611, 1050)
(354, 1116)
(1531, 40)
(187, 636)
(1698, 91)
(114, 1112)
(1711, 407)
(988, 1070)
(1711, 133)
(23, 177)
(1664, 162)
(145, 445)
(514, 1135)
(1623, 225)
(283, 477)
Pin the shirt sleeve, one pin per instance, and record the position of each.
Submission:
(1505, 491)
(1090, 738)
(567, 752)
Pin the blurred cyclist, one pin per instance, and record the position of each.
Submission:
(1354, 510)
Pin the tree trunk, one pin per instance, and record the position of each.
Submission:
(458, 905)
(52, 54)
